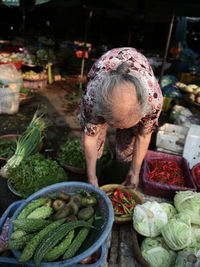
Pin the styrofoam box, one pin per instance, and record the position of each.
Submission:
(192, 145)
(171, 138)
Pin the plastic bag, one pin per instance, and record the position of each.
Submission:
(183, 116)
(11, 82)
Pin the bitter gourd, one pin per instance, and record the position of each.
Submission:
(30, 225)
(60, 249)
(31, 206)
(17, 234)
(19, 242)
(31, 246)
(41, 213)
(78, 240)
(54, 237)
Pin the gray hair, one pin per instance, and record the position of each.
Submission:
(103, 95)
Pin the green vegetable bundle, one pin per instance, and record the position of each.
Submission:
(34, 173)
(27, 143)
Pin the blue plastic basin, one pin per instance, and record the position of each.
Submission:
(72, 187)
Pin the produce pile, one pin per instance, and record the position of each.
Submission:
(171, 232)
(165, 171)
(7, 148)
(70, 153)
(123, 203)
(32, 75)
(34, 173)
(56, 227)
(6, 57)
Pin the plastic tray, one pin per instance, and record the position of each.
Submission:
(165, 190)
(107, 214)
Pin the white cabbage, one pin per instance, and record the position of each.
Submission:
(189, 203)
(169, 209)
(188, 257)
(156, 253)
(149, 218)
(177, 233)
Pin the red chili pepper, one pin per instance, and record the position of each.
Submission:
(164, 171)
(116, 200)
(127, 195)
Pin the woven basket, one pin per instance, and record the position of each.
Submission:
(138, 199)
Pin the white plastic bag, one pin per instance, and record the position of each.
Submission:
(11, 82)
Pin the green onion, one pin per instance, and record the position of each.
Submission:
(27, 143)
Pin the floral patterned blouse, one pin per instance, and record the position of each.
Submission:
(140, 68)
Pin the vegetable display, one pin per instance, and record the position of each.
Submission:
(7, 148)
(188, 202)
(177, 233)
(178, 241)
(149, 218)
(123, 203)
(156, 253)
(27, 143)
(34, 173)
(71, 154)
(164, 171)
(55, 238)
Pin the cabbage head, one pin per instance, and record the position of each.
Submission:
(195, 234)
(156, 253)
(188, 257)
(149, 218)
(169, 209)
(189, 203)
(177, 233)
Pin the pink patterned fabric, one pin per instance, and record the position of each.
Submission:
(140, 68)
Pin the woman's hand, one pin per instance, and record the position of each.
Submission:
(132, 180)
(93, 180)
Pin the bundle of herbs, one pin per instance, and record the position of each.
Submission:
(28, 143)
(33, 173)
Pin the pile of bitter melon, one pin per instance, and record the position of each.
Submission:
(52, 229)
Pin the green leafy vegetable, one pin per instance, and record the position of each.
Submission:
(189, 203)
(149, 218)
(169, 209)
(188, 257)
(156, 253)
(27, 143)
(71, 154)
(34, 173)
(177, 233)
(7, 148)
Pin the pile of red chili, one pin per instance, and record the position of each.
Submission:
(164, 171)
(123, 203)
